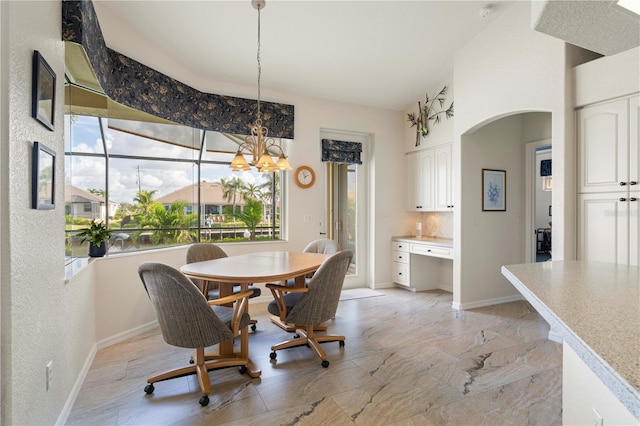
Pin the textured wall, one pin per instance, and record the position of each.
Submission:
(34, 324)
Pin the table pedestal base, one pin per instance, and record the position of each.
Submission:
(292, 327)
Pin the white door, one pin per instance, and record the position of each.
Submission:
(346, 203)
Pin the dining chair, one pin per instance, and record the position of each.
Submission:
(322, 245)
(188, 320)
(307, 306)
(199, 252)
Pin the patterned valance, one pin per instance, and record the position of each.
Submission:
(341, 151)
(135, 85)
(545, 168)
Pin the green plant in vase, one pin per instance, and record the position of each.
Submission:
(98, 236)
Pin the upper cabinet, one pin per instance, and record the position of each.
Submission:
(429, 179)
(420, 181)
(608, 146)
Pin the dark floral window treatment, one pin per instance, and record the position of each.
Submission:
(135, 85)
(341, 151)
(545, 168)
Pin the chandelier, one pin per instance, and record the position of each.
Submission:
(258, 143)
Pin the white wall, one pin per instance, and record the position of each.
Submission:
(505, 70)
(39, 313)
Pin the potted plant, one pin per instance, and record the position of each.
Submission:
(98, 236)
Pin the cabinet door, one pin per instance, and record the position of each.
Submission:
(603, 147)
(603, 227)
(634, 143)
(420, 185)
(443, 194)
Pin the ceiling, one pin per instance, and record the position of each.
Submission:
(383, 54)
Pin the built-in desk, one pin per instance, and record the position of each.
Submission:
(420, 264)
(595, 308)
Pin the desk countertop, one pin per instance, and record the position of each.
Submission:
(596, 309)
(439, 241)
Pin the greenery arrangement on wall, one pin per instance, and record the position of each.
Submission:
(428, 112)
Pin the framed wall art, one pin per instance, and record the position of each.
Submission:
(43, 177)
(43, 98)
(494, 190)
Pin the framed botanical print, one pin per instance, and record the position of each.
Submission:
(494, 190)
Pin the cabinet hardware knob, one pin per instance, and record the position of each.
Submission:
(623, 199)
(633, 199)
(633, 182)
(623, 183)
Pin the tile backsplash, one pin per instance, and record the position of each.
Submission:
(437, 224)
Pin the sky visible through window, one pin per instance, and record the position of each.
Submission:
(128, 176)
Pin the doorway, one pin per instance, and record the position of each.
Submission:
(539, 208)
(345, 207)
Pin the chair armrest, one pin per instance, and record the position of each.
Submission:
(286, 288)
(278, 291)
(238, 308)
(231, 298)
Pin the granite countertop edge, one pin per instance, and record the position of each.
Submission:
(628, 395)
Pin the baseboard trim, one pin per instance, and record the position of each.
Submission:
(75, 391)
(554, 336)
(121, 337)
(487, 302)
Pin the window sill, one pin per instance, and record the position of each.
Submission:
(74, 266)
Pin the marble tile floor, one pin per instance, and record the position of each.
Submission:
(409, 359)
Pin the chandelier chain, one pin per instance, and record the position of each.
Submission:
(258, 114)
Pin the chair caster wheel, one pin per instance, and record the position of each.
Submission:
(296, 336)
(273, 355)
(242, 369)
(204, 400)
(191, 361)
(325, 363)
(253, 327)
(149, 389)
(341, 343)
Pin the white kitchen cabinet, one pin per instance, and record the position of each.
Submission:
(420, 180)
(607, 156)
(421, 264)
(400, 264)
(608, 164)
(608, 228)
(429, 186)
(443, 175)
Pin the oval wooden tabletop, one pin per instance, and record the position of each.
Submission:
(257, 267)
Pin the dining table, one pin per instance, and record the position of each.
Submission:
(253, 268)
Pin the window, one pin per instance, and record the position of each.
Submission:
(161, 189)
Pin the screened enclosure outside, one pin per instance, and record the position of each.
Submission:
(157, 185)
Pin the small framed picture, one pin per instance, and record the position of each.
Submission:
(43, 177)
(43, 96)
(494, 190)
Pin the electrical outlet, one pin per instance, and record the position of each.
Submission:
(307, 218)
(597, 418)
(49, 374)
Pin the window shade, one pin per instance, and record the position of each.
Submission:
(545, 168)
(341, 151)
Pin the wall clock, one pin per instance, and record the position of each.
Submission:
(305, 176)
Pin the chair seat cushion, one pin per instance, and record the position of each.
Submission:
(225, 314)
(290, 300)
(215, 293)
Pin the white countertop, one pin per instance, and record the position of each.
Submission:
(596, 309)
(439, 241)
